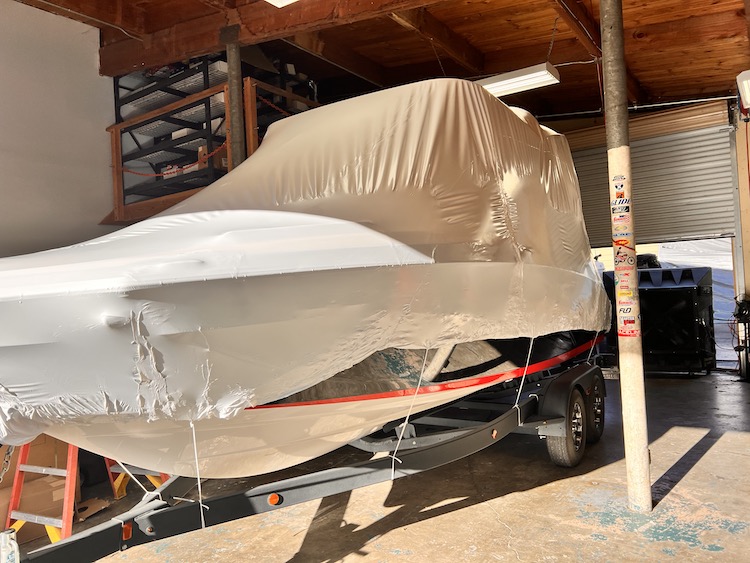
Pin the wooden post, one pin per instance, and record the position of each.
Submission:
(627, 303)
(251, 116)
(118, 195)
(234, 104)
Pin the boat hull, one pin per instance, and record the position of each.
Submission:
(273, 437)
(203, 350)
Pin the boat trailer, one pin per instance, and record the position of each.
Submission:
(566, 408)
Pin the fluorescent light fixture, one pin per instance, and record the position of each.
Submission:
(281, 3)
(521, 80)
(743, 87)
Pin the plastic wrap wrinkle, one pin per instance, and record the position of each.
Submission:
(422, 216)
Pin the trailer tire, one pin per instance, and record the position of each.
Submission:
(595, 410)
(568, 450)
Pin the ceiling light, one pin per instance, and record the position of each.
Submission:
(281, 3)
(743, 86)
(521, 80)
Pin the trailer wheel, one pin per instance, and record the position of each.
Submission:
(567, 451)
(595, 411)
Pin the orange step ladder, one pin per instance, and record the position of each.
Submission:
(57, 528)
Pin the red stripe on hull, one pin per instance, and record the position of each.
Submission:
(448, 385)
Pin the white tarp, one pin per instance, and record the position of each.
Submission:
(421, 216)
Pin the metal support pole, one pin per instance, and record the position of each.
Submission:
(236, 99)
(627, 303)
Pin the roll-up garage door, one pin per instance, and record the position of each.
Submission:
(683, 187)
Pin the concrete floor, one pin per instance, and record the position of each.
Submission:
(509, 503)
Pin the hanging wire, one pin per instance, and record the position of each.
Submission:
(599, 78)
(591, 61)
(437, 57)
(552, 39)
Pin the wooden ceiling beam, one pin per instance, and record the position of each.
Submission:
(440, 35)
(119, 14)
(339, 55)
(581, 23)
(258, 21)
(586, 30)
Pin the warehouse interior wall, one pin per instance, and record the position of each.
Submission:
(55, 162)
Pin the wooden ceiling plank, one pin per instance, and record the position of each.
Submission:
(343, 57)
(700, 29)
(120, 15)
(259, 22)
(506, 60)
(221, 5)
(586, 30)
(438, 34)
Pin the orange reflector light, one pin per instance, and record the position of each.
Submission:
(274, 499)
(127, 531)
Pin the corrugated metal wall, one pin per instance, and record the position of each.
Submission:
(683, 187)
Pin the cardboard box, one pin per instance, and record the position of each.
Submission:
(43, 496)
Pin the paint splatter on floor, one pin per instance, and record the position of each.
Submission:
(674, 520)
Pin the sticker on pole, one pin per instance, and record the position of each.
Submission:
(628, 332)
(627, 325)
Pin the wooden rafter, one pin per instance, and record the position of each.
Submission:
(586, 30)
(440, 35)
(258, 21)
(747, 17)
(119, 14)
(316, 44)
(581, 23)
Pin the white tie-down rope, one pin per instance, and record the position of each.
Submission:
(523, 379)
(198, 476)
(394, 459)
(126, 470)
(148, 494)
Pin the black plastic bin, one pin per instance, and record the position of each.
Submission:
(676, 319)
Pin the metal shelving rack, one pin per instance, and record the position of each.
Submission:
(168, 123)
(156, 150)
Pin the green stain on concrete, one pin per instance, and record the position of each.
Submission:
(677, 521)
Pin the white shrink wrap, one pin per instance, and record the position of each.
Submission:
(421, 216)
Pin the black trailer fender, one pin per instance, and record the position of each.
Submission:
(554, 402)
